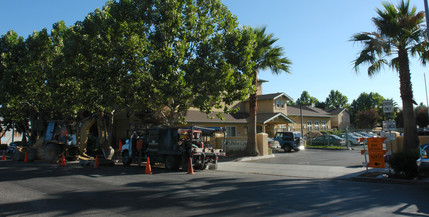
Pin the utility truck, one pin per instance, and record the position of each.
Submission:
(174, 147)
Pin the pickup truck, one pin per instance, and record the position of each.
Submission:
(288, 141)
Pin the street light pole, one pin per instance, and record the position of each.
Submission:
(426, 90)
(427, 39)
(426, 14)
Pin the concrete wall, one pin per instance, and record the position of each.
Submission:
(238, 145)
(262, 140)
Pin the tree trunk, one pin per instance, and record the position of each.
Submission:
(411, 140)
(252, 149)
(103, 136)
(110, 125)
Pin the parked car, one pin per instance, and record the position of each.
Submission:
(423, 161)
(357, 135)
(354, 140)
(327, 140)
(273, 144)
(366, 135)
(288, 141)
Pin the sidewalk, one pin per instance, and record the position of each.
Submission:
(243, 165)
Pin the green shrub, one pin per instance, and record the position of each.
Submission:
(404, 164)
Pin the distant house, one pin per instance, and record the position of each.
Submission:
(340, 118)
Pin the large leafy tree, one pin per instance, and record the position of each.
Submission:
(366, 119)
(422, 118)
(399, 33)
(12, 53)
(265, 56)
(306, 99)
(336, 100)
(26, 86)
(366, 102)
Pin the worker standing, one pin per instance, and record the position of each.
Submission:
(139, 147)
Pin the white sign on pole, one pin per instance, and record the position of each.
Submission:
(389, 125)
(388, 106)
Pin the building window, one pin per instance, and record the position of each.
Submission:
(309, 126)
(316, 125)
(283, 104)
(231, 131)
(245, 130)
(278, 103)
(323, 125)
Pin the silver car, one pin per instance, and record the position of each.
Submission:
(273, 144)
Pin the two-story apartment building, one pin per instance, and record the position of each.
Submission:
(273, 115)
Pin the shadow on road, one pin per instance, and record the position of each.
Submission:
(215, 194)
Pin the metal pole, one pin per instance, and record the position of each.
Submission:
(302, 124)
(426, 90)
(426, 13)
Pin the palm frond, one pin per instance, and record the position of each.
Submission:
(268, 56)
(376, 67)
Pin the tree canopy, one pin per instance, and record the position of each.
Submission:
(336, 100)
(162, 56)
(306, 99)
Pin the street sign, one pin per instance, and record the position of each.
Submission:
(388, 106)
(375, 152)
(389, 125)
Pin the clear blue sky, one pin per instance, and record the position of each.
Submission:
(315, 35)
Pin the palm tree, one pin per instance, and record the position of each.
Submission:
(265, 56)
(399, 34)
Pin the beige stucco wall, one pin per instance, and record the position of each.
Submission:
(297, 126)
(266, 106)
(341, 121)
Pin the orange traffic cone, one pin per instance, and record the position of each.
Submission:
(4, 156)
(63, 161)
(26, 158)
(120, 146)
(190, 168)
(96, 164)
(148, 169)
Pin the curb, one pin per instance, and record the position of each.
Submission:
(390, 181)
(243, 159)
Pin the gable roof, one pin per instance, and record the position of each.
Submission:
(267, 117)
(272, 96)
(308, 111)
(335, 111)
(195, 116)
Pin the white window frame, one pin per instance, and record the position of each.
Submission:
(277, 103)
(229, 130)
(316, 126)
(309, 126)
(283, 104)
(323, 125)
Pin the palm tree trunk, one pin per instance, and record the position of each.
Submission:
(252, 149)
(411, 140)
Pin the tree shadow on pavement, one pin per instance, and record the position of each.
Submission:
(208, 193)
